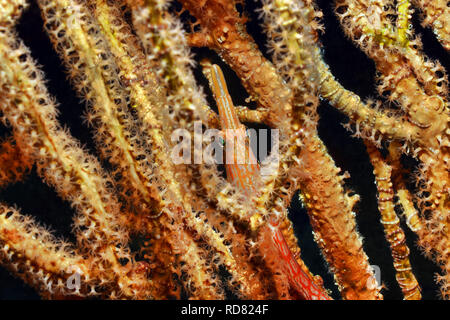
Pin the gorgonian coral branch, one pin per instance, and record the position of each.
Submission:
(391, 223)
(76, 176)
(43, 261)
(437, 16)
(304, 150)
(14, 164)
(414, 83)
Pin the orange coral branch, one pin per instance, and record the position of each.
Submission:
(14, 165)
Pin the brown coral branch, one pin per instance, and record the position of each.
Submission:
(437, 17)
(391, 223)
(14, 164)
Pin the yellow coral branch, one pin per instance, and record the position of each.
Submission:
(76, 176)
(391, 223)
(42, 261)
(437, 16)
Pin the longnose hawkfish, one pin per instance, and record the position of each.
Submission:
(246, 176)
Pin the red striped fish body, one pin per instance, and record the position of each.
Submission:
(245, 175)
